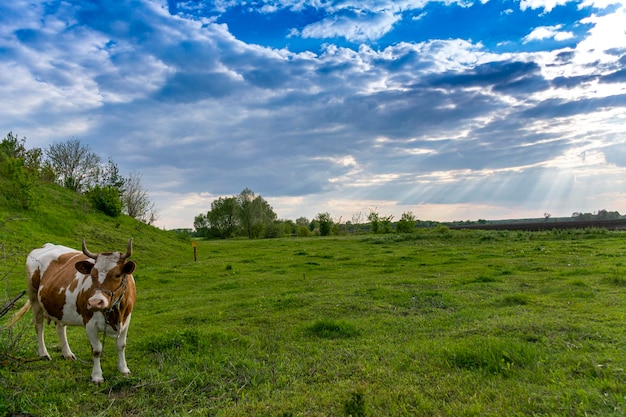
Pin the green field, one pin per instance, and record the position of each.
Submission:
(436, 323)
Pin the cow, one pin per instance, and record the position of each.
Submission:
(74, 288)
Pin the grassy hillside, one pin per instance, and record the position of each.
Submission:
(64, 217)
(437, 323)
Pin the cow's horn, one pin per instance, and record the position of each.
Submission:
(129, 249)
(86, 251)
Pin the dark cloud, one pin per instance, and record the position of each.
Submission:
(615, 77)
(193, 87)
(505, 76)
(554, 108)
(564, 57)
(573, 81)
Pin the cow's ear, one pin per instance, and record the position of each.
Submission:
(129, 267)
(84, 267)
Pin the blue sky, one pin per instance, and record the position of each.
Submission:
(453, 110)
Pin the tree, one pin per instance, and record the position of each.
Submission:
(20, 170)
(246, 215)
(222, 219)
(406, 224)
(303, 226)
(357, 218)
(255, 213)
(289, 227)
(201, 225)
(109, 176)
(325, 223)
(135, 199)
(385, 223)
(76, 167)
(303, 221)
(374, 219)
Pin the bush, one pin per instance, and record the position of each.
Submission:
(106, 200)
(17, 184)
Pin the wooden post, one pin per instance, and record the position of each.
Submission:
(194, 244)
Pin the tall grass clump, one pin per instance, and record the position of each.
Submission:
(491, 355)
(332, 329)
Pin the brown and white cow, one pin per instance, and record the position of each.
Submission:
(73, 288)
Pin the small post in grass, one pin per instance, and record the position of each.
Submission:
(194, 245)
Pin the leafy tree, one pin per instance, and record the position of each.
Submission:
(255, 213)
(289, 227)
(19, 186)
(406, 224)
(110, 176)
(303, 221)
(385, 223)
(247, 215)
(303, 226)
(273, 229)
(12, 147)
(325, 223)
(19, 169)
(374, 219)
(222, 219)
(76, 167)
(201, 225)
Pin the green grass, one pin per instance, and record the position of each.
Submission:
(438, 323)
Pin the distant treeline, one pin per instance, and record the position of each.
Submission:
(602, 219)
(237, 216)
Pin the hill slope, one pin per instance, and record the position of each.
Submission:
(64, 217)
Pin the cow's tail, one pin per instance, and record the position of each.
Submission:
(17, 316)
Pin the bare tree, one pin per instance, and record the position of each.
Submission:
(135, 200)
(74, 164)
(357, 218)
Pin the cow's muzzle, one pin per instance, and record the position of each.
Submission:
(98, 302)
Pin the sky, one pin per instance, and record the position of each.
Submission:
(450, 110)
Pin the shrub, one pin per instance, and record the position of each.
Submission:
(106, 200)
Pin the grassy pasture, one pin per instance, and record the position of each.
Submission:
(438, 323)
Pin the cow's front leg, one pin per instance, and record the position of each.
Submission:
(96, 351)
(65, 346)
(121, 348)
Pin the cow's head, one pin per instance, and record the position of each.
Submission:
(109, 272)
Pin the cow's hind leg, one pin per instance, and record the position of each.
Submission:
(65, 347)
(38, 319)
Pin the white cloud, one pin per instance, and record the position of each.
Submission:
(608, 33)
(547, 5)
(547, 32)
(357, 28)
